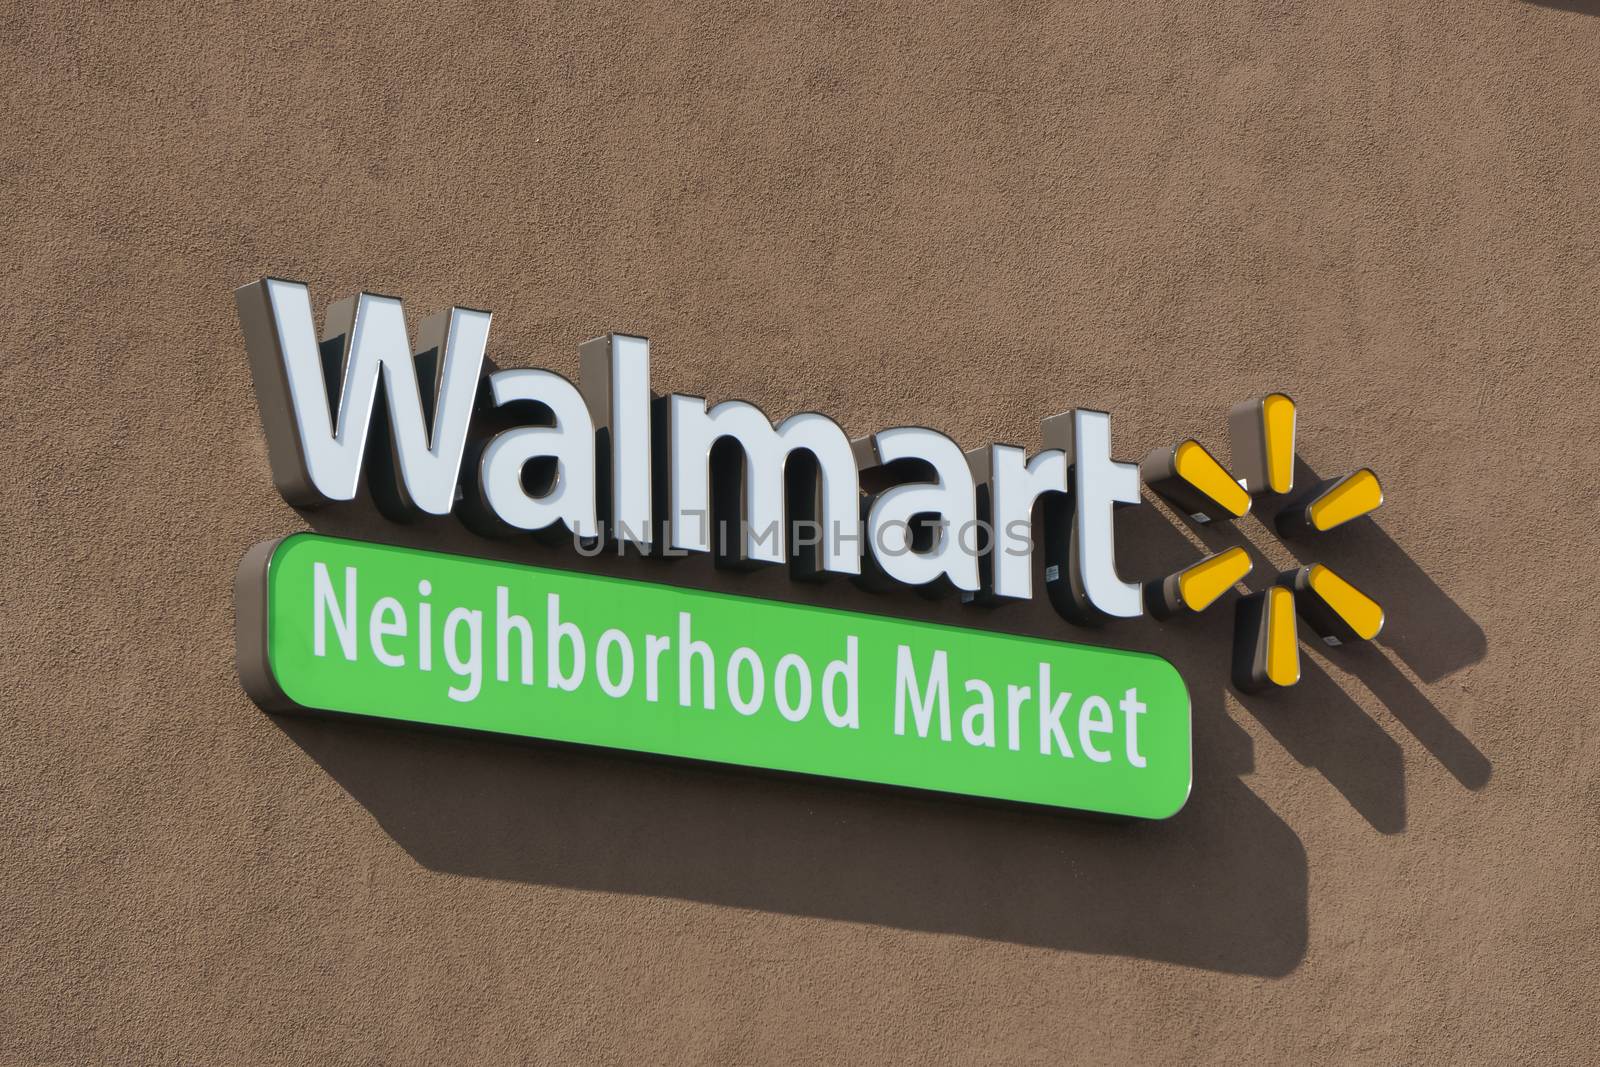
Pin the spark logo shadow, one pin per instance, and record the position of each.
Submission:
(1317, 722)
(1222, 886)
(1427, 631)
(1580, 7)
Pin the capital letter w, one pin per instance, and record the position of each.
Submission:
(318, 400)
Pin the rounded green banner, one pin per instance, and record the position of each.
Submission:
(328, 624)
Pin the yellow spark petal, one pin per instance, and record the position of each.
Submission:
(1283, 652)
(1197, 467)
(1363, 614)
(1201, 584)
(1277, 416)
(1349, 498)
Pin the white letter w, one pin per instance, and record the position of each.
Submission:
(300, 385)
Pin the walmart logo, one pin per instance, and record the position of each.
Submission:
(1266, 649)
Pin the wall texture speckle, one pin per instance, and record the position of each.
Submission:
(968, 216)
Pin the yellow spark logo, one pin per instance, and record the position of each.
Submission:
(1266, 649)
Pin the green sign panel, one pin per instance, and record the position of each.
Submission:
(393, 633)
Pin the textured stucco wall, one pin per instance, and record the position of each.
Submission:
(969, 217)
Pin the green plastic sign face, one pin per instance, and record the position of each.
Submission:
(346, 626)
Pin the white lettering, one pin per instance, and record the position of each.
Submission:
(935, 694)
(742, 703)
(614, 685)
(1016, 696)
(949, 495)
(504, 623)
(843, 670)
(1131, 710)
(388, 620)
(1099, 485)
(1094, 717)
(325, 603)
(470, 668)
(792, 665)
(764, 454)
(654, 647)
(1050, 712)
(425, 627)
(570, 497)
(556, 632)
(980, 711)
(316, 455)
(688, 650)
(1015, 483)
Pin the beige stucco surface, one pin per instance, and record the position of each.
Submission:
(968, 217)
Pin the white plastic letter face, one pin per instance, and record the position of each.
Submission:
(1015, 483)
(615, 375)
(757, 481)
(317, 453)
(1099, 484)
(950, 495)
(570, 442)
(783, 494)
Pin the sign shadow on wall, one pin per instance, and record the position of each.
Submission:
(1221, 886)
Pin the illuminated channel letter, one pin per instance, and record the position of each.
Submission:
(1009, 484)
(1266, 651)
(1262, 433)
(947, 497)
(1198, 585)
(1094, 591)
(615, 374)
(1338, 611)
(561, 449)
(1332, 503)
(1194, 482)
(317, 449)
(750, 483)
